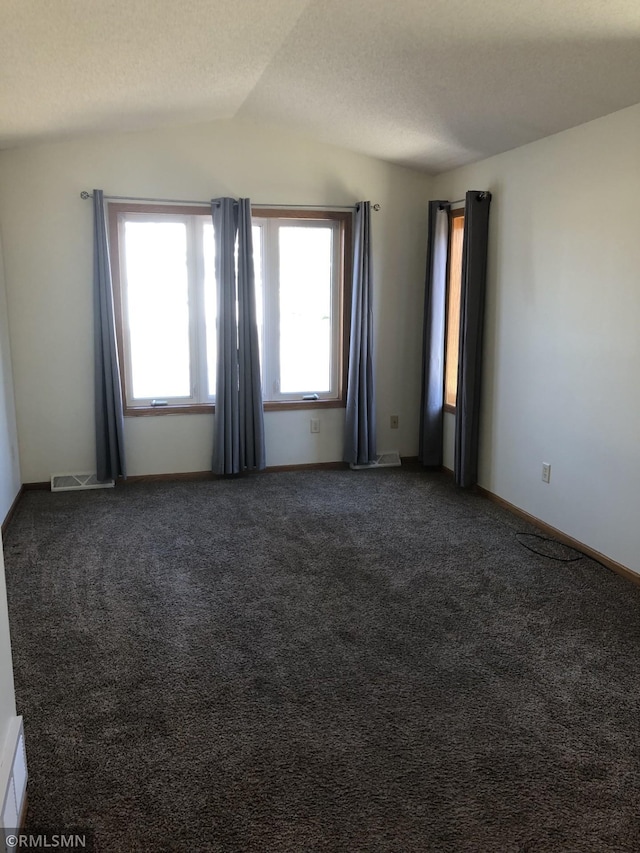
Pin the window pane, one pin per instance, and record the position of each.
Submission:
(305, 309)
(257, 268)
(453, 310)
(158, 308)
(210, 305)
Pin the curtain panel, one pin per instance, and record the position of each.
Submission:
(472, 300)
(109, 415)
(433, 351)
(239, 423)
(360, 418)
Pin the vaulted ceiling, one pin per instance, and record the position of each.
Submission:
(427, 83)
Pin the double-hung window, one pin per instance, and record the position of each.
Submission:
(163, 264)
(164, 286)
(300, 284)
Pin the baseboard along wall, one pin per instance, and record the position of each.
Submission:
(12, 509)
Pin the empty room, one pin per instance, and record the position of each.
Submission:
(319, 426)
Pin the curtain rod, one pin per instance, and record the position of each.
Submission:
(84, 194)
(482, 196)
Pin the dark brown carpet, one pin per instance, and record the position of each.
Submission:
(320, 661)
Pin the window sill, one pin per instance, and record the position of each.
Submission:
(292, 405)
(449, 408)
(209, 409)
(150, 411)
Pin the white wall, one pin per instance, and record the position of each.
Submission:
(48, 258)
(9, 465)
(562, 349)
(9, 488)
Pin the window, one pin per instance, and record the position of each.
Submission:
(300, 295)
(454, 286)
(163, 263)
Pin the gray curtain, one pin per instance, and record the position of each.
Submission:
(433, 341)
(109, 417)
(239, 424)
(472, 298)
(360, 425)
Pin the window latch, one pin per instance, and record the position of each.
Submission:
(155, 403)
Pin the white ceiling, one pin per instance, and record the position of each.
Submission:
(427, 83)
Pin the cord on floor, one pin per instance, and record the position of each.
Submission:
(544, 538)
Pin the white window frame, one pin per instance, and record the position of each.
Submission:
(269, 231)
(194, 220)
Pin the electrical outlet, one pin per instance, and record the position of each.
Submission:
(394, 421)
(546, 472)
(315, 425)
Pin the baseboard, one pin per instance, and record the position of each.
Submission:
(12, 509)
(209, 475)
(605, 561)
(308, 466)
(175, 477)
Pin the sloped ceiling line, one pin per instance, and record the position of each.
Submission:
(431, 85)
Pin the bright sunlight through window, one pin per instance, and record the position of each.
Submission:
(305, 309)
(157, 308)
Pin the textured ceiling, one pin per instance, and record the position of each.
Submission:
(428, 83)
